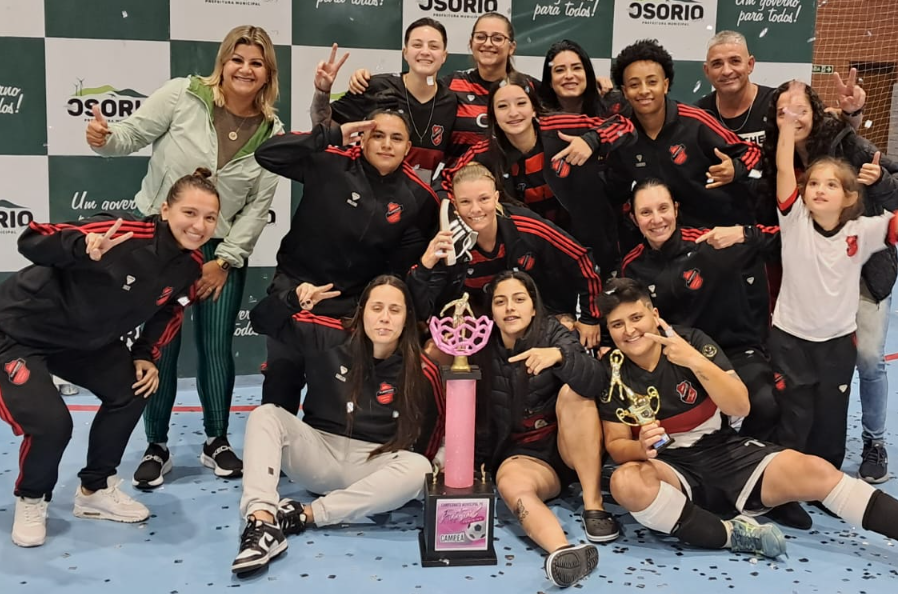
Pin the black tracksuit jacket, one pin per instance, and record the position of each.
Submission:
(66, 301)
(518, 408)
(721, 292)
(325, 344)
(352, 223)
(563, 269)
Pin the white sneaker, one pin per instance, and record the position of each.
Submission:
(30, 526)
(110, 503)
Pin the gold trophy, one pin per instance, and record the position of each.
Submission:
(641, 408)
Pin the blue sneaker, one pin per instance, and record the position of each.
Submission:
(748, 536)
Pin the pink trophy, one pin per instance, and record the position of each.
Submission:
(459, 512)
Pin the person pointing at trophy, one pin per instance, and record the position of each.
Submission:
(674, 385)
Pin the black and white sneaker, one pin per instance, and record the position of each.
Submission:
(874, 463)
(261, 542)
(220, 457)
(156, 463)
(291, 518)
(463, 237)
(568, 565)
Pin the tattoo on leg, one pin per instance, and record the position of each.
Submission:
(520, 511)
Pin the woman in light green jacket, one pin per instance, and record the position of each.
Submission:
(217, 122)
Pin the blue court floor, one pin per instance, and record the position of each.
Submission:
(189, 542)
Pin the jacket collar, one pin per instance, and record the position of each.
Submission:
(671, 248)
(203, 92)
(671, 116)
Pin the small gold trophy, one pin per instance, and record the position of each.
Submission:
(641, 408)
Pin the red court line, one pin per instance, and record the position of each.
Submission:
(96, 407)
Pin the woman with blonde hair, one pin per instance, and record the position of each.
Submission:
(216, 121)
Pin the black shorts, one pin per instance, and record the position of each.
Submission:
(545, 450)
(723, 470)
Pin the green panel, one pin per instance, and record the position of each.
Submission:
(688, 76)
(774, 34)
(23, 97)
(107, 19)
(198, 57)
(537, 27)
(82, 186)
(5, 275)
(295, 196)
(457, 62)
(348, 24)
(249, 347)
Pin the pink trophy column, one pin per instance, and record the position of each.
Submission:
(460, 340)
(461, 402)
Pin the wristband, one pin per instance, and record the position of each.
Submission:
(851, 114)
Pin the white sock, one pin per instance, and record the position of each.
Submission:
(665, 511)
(849, 499)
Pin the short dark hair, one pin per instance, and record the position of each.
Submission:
(643, 50)
(622, 290)
(385, 106)
(649, 182)
(427, 22)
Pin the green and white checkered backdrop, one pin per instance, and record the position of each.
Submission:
(58, 54)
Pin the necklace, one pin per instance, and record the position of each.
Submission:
(411, 116)
(747, 114)
(233, 133)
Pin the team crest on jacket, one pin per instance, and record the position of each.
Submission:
(436, 135)
(851, 240)
(693, 279)
(678, 154)
(687, 393)
(526, 262)
(18, 371)
(385, 393)
(394, 212)
(562, 168)
(163, 297)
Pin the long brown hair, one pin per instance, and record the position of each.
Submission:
(413, 385)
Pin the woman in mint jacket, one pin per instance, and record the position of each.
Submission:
(217, 122)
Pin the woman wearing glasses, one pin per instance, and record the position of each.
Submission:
(492, 47)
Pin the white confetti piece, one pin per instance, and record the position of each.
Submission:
(763, 32)
(124, 14)
(698, 85)
(868, 124)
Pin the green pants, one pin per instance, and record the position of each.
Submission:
(214, 333)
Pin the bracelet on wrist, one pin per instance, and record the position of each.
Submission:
(851, 114)
(322, 91)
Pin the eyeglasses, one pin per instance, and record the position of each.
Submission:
(496, 38)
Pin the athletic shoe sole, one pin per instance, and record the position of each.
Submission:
(569, 566)
(873, 480)
(27, 544)
(218, 470)
(166, 468)
(92, 514)
(256, 564)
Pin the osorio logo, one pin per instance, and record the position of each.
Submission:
(114, 103)
(470, 6)
(14, 217)
(672, 10)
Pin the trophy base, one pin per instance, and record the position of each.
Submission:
(458, 524)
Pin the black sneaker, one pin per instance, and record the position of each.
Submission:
(791, 515)
(874, 463)
(156, 463)
(220, 457)
(600, 526)
(291, 518)
(568, 565)
(463, 237)
(261, 542)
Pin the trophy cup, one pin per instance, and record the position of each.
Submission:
(459, 511)
(641, 408)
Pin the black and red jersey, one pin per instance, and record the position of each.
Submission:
(563, 270)
(687, 412)
(432, 121)
(471, 125)
(352, 223)
(680, 156)
(570, 197)
(328, 406)
(66, 300)
(721, 292)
